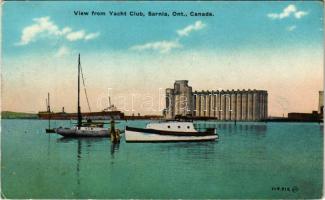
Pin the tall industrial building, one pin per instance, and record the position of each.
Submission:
(241, 105)
(179, 100)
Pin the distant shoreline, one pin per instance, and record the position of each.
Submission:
(22, 115)
(18, 115)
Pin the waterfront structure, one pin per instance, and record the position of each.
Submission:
(178, 100)
(304, 117)
(241, 105)
(103, 115)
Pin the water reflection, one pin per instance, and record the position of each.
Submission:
(85, 146)
(48, 145)
(259, 129)
(114, 148)
(78, 161)
(189, 150)
(89, 140)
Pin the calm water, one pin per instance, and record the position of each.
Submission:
(249, 161)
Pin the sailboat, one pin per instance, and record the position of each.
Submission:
(88, 129)
(49, 130)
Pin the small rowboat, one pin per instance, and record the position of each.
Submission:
(169, 132)
(50, 130)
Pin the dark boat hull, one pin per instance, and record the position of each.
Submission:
(82, 133)
(50, 130)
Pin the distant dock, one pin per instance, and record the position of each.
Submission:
(103, 115)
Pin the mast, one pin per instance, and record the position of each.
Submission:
(49, 108)
(48, 102)
(79, 112)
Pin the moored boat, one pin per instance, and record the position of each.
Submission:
(50, 130)
(169, 132)
(48, 111)
(89, 128)
(83, 132)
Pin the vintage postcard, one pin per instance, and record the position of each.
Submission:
(162, 100)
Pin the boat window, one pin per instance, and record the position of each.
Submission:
(168, 126)
(179, 126)
(188, 127)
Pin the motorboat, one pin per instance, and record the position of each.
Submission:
(169, 131)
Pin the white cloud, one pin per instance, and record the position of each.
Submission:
(290, 10)
(73, 36)
(66, 30)
(91, 36)
(291, 28)
(198, 25)
(300, 14)
(161, 46)
(44, 26)
(62, 51)
(166, 46)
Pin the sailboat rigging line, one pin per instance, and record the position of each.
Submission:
(83, 82)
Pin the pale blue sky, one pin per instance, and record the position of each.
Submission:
(262, 45)
(236, 25)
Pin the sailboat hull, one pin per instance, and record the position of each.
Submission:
(66, 132)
